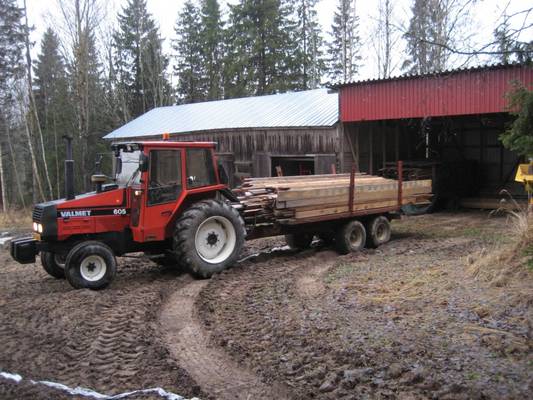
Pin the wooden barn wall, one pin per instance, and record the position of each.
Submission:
(240, 150)
(244, 144)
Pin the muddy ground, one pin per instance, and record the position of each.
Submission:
(410, 320)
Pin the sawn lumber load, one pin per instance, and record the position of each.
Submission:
(289, 199)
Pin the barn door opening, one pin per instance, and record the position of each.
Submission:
(290, 166)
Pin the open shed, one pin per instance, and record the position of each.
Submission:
(297, 132)
(444, 125)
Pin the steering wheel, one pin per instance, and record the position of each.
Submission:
(155, 184)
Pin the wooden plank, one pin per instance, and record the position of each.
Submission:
(361, 196)
(326, 183)
(309, 193)
(342, 209)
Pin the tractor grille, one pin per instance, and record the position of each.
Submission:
(37, 214)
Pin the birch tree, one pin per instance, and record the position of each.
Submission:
(436, 26)
(31, 102)
(80, 18)
(386, 38)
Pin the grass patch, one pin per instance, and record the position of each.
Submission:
(339, 272)
(514, 256)
(15, 219)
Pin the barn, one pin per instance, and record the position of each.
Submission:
(292, 133)
(444, 125)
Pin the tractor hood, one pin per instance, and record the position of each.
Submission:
(85, 205)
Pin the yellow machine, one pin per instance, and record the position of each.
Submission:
(524, 174)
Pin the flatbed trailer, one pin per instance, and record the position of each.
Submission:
(373, 218)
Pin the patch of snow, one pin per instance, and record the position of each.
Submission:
(84, 392)
(3, 240)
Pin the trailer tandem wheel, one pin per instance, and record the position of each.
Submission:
(350, 237)
(378, 231)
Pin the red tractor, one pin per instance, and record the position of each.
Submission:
(165, 200)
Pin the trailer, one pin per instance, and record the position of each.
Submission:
(170, 201)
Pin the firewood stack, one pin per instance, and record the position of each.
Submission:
(292, 198)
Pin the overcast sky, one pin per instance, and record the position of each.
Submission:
(43, 13)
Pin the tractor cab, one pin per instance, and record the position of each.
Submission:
(158, 177)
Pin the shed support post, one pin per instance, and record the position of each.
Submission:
(384, 146)
(400, 182)
(371, 150)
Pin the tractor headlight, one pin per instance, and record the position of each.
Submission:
(39, 228)
(35, 226)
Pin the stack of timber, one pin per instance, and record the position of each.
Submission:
(292, 198)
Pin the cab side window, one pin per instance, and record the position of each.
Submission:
(165, 176)
(200, 169)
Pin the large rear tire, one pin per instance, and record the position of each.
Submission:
(208, 237)
(90, 265)
(351, 237)
(53, 264)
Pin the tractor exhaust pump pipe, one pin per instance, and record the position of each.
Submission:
(69, 170)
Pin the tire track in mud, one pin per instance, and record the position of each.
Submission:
(103, 340)
(210, 367)
(112, 342)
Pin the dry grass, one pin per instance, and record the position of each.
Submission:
(512, 259)
(15, 219)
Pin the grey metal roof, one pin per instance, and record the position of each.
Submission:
(310, 108)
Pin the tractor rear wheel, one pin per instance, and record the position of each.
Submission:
(53, 264)
(208, 237)
(90, 265)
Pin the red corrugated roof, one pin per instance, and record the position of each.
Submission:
(478, 90)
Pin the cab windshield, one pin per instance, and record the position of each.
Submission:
(129, 175)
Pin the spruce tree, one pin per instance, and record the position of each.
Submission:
(343, 50)
(308, 38)
(11, 70)
(51, 94)
(419, 37)
(190, 54)
(11, 45)
(260, 55)
(140, 62)
(212, 37)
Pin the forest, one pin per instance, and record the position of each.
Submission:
(84, 83)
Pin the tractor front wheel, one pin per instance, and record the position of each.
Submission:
(208, 237)
(90, 265)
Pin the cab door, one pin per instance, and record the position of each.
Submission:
(164, 190)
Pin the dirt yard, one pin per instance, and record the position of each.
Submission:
(410, 320)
